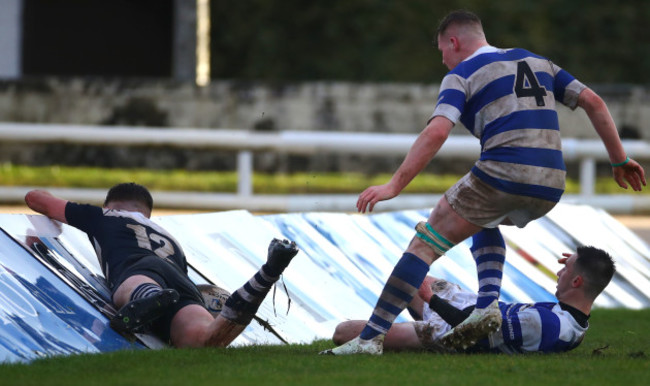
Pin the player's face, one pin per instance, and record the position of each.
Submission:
(449, 54)
(565, 276)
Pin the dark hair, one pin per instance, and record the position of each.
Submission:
(130, 191)
(596, 268)
(459, 17)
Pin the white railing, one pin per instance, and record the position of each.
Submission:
(587, 152)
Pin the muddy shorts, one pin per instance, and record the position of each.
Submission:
(485, 206)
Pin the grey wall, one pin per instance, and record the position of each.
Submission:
(335, 106)
(328, 106)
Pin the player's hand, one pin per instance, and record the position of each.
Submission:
(631, 172)
(372, 195)
(566, 255)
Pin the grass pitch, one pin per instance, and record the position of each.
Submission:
(616, 351)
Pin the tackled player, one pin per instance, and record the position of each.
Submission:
(545, 327)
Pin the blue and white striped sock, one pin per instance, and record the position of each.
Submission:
(145, 290)
(489, 252)
(402, 285)
(242, 304)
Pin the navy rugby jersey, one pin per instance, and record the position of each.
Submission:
(120, 237)
(506, 98)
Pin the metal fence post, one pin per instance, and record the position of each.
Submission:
(245, 173)
(587, 176)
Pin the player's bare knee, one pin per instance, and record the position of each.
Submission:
(339, 335)
(190, 335)
(346, 331)
(190, 326)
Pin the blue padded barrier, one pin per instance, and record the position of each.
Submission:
(42, 316)
(54, 301)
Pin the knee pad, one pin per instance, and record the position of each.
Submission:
(435, 240)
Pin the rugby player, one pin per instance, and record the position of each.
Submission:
(545, 327)
(507, 99)
(146, 270)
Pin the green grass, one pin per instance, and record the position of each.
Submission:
(624, 361)
(175, 180)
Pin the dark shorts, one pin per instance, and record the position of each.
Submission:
(168, 275)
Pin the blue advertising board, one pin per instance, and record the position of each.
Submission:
(54, 299)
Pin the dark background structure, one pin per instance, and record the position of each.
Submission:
(347, 40)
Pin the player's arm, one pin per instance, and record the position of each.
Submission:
(424, 148)
(422, 151)
(602, 121)
(44, 202)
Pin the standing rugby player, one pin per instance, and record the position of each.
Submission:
(507, 99)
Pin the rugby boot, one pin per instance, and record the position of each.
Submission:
(138, 313)
(478, 325)
(280, 254)
(374, 346)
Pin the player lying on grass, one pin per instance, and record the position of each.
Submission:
(146, 270)
(537, 327)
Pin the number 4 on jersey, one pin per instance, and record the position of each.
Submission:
(527, 85)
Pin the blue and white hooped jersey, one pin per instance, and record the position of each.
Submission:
(506, 98)
(526, 327)
(537, 327)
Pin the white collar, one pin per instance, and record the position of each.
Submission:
(482, 50)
